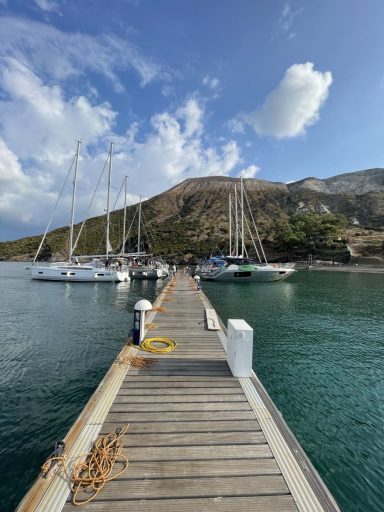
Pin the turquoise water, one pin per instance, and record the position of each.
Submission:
(57, 340)
(319, 351)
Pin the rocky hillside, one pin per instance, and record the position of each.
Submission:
(191, 219)
(357, 183)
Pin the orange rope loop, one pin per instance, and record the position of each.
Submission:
(90, 475)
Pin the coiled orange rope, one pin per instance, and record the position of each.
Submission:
(91, 474)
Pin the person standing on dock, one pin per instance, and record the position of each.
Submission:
(197, 281)
(174, 270)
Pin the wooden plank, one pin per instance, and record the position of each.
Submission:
(163, 398)
(173, 391)
(170, 407)
(178, 371)
(179, 382)
(186, 426)
(193, 364)
(216, 504)
(235, 451)
(212, 320)
(164, 488)
(194, 443)
(179, 416)
(188, 356)
(190, 381)
(189, 439)
(200, 468)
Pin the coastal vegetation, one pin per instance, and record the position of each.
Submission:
(324, 218)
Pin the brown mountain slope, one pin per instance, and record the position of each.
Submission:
(191, 219)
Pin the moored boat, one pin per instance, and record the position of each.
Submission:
(94, 271)
(140, 264)
(241, 268)
(148, 271)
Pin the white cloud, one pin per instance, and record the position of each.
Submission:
(249, 172)
(236, 126)
(38, 126)
(59, 55)
(40, 119)
(294, 104)
(48, 5)
(172, 151)
(287, 18)
(192, 115)
(21, 195)
(211, 83)
(49, 121)
(167, 90)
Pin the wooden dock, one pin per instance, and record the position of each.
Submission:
(198, 438)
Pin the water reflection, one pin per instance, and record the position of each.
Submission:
(122, 290)
(57, 340)
(318, 350)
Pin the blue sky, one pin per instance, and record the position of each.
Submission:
(273, 89)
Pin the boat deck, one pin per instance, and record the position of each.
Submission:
(198, 439)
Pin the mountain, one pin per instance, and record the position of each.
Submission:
(191, 219)
(358, 183)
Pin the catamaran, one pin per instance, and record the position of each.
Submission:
(99, 268)
(239, 267)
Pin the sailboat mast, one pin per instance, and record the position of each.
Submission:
(230, 224)
(70, 247)
(242, 217)
(125, 212)
(138, 230)
(108, 199)
(236, 226)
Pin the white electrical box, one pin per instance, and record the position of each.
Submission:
(239, 348)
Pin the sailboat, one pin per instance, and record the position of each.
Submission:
(140, 264)
(238, 267)
(71, 271)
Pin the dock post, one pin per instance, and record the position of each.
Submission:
(140, 308)
(240, 348)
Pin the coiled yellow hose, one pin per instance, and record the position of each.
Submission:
(169, 343)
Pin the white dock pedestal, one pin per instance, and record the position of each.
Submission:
(239, 348)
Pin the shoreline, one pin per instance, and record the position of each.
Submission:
(364, 269)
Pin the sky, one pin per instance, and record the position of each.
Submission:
(278, 90)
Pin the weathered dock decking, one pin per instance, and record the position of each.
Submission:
(198, 438)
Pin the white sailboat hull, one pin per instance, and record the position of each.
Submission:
(257, 274)
(79, 273)
(147, 273)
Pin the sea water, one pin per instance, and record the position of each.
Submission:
(318, 349)
(57, 340)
